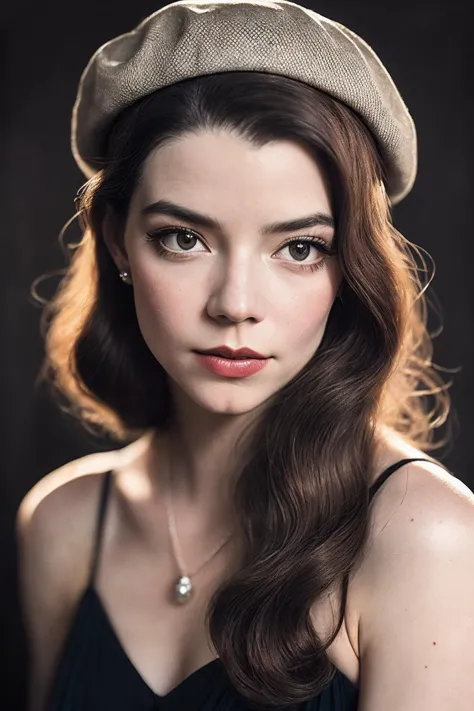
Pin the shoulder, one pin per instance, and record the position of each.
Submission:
(65, 497)
(55, 524)
(416, 590)
(56, 519)
(54, 538)
(419, 503)
(59, 510)
(421, 507)
(55, 532)
(416, 493)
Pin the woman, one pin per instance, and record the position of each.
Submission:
(242, 160)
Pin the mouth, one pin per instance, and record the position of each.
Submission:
(233, 366)
(239, 354)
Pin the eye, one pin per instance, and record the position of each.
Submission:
(185, 239)
(300, 247)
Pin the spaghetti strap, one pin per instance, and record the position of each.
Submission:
(373, 490)
(393, 467)
(104, 494)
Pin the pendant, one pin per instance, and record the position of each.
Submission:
(183, 589)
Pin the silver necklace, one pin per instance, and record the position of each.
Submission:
(183, 587)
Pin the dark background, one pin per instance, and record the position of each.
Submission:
(44, 47)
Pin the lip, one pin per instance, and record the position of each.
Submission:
(231, 367)
(227, 352)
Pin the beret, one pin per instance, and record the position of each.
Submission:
(192, 38)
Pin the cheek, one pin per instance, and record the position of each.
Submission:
(304, 318)
(161, 306)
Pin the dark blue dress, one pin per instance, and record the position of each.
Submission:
(95, 674)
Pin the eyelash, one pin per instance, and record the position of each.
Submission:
(317, 242)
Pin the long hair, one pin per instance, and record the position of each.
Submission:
(302, 491)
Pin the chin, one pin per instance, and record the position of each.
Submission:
(235, 404)
(223, 398)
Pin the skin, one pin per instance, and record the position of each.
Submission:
(403, 637)
(237, 287)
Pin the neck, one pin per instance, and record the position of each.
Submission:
(196, 468)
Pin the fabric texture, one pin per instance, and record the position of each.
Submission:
(95, 674)
(192, 38)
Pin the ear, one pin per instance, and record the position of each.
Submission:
(114, 240)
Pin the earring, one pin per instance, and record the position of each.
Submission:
(125, 277)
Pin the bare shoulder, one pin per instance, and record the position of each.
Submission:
(55, 532)
(57, 516)
(59, 501)
(56, 513)
(419, 512)
(413, 493)
(420, 489)
(415, 591)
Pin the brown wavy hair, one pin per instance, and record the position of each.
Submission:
(302, 493)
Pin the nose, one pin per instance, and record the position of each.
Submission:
(238, 292)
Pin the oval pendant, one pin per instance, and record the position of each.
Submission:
(183, 589)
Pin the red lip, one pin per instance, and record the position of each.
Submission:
(227, 352)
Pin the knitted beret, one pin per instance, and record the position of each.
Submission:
(192, 38)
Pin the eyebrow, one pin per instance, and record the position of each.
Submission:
(164, 207)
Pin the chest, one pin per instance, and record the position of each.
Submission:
(167, 642)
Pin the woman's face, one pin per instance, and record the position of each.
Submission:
(232, 284)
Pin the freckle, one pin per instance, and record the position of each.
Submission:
(426, 667)
(412, 519)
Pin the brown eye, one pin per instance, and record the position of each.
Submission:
(299, 250)
(185, 240)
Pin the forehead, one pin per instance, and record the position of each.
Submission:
(227, 170)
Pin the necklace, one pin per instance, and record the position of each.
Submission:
(183, 587)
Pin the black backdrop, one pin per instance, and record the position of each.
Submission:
(44, 48)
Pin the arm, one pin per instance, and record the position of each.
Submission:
(54, 535)
(417, 625)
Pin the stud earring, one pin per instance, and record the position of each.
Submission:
(125, 277)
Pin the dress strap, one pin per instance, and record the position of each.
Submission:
(104, 495)
(392, 468)
(373, 490)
